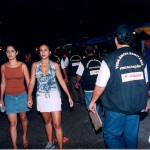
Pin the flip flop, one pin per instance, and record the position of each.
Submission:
(55, 140)
(65, 140)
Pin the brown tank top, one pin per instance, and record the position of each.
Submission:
(14, 80)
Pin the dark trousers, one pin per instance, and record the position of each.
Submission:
(120, 130)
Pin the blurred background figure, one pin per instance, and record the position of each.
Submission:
(87, 72)
(56, 56)
(74, 61)
(64, 59)
(28, 60)
(147, 57)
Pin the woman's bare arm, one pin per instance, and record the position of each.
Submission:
(3, 84)
(31, 84)
(62, 83)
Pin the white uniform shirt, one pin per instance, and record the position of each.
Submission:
(64, 63)
(80, 69)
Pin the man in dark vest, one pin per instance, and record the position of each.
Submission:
(122, 85)
(74, 61)
(87, 73)
(56, 57)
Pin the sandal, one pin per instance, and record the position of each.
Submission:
(65, 140)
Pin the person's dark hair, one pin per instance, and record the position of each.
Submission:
(124, 34)
(14, 46)
(125, 39)
(89, 49)
(44, 44)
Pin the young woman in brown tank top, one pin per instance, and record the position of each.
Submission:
(13, 73)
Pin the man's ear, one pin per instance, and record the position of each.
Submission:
(116, 40)
(85, 52)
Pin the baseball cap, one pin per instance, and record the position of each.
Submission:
(121, 29)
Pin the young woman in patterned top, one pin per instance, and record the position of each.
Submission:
(48, 95)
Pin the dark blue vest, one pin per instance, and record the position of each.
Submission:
(126, 91)
(73, 65)
(91, 68)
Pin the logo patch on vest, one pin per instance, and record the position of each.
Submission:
(132, 76)
(76, 64)
(94, 72)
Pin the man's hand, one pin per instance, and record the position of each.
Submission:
(148, 105)
(66, 80)
(92, 106)
(77, 85)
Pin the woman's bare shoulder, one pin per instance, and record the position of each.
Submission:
(2, 66)
(23, 64)
(56, 65)
(34, 64)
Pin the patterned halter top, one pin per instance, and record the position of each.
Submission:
(46, 83)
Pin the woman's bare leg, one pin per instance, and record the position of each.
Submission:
(13, 128)
(24, 122)
(48, 125)
(56, 117)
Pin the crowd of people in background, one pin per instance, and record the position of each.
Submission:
(84, 75)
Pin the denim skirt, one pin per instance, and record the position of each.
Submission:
(16, 103)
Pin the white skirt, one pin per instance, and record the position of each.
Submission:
(48, 102)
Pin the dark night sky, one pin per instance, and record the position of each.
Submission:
(29, 21)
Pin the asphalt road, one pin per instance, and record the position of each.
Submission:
(76, 125)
